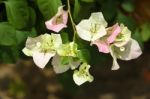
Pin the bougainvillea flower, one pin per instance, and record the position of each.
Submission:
(104, 42)
(59, 21)
(66, 58)
(82, 75)
(62, 64)
(93, 28)
(68, 49)
(42, 48)
(129, 51)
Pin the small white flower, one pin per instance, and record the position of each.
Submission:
(42, 48)
(82, 75)
(93, 28)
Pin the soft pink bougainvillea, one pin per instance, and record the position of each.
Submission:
(59, 21)
(104, 42)
(115, 30)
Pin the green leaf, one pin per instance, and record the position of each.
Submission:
(84, 55)
(65, 37)
(32, 18)
(48, 7)
(145, 32)
(17, 13)
(65, 60)
(7, 34)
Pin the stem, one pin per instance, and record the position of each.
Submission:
(71, 19)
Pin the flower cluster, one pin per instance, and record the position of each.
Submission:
(115, 40)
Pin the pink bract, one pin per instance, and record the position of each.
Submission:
(59, 21)
(102, 46)
(104, 43)
(114, 33)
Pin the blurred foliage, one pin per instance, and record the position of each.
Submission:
(22, 18)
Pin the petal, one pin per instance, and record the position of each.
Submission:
(100, 33)
(57, 41)
(54, 27)
(82, 75)
(41, 59)
(115, 65)
(74, 64)
(65, 17)
(98, 18)
(132, 50)
(124, 37)
(27, 52)
(115, 31)
(102, 46)
(32, 43)
(83, 30)
(57, 66)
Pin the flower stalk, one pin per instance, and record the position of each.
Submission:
(71, 19)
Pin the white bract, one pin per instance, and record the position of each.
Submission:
(93, 28)
(42, 48)
(123, 37)
(62, 64)
(82, 75)
(129, 51)
(65, 58)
